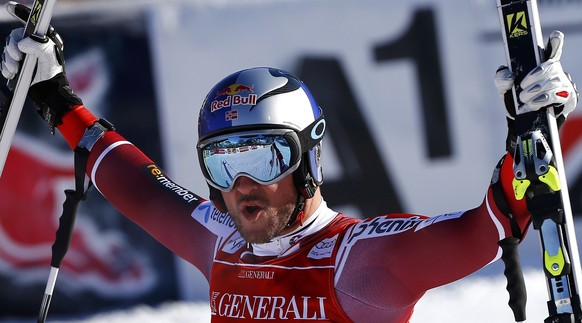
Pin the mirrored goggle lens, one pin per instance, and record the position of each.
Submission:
(264, 158)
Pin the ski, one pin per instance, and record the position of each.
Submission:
(539, 169)
(37, 24)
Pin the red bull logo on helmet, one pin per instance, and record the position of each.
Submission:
(236, 94)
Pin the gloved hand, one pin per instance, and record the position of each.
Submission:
(50, 89)
(546, 85)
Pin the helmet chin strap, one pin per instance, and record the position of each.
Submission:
(306, 188)
(298, 214)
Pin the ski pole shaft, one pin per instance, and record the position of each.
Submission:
(48, 294)
(37, 24)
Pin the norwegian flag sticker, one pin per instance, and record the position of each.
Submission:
(231, 115)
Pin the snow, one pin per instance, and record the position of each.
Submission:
(482, 299)
(177, 312)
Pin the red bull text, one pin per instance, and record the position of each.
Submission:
(234, 97)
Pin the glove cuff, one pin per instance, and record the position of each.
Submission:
(75, 124)
(511, 140)
(502, 190)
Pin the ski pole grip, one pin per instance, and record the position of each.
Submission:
(514, 274)
(65, 229)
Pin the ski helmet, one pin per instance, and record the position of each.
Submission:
(267, 103)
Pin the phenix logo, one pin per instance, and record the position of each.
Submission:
(234, 97)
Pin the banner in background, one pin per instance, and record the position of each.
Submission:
(111, 262)
(415, 123)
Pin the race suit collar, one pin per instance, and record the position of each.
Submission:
(281, 245)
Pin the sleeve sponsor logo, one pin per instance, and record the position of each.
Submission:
(213, 215)
(217, 222)
(437, 219)
(382, 226)
(181, 192)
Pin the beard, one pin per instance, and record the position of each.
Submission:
(271, 221)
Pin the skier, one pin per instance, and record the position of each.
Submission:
(269, 246)
(278, 158)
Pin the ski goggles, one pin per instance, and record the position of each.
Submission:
(265, 156)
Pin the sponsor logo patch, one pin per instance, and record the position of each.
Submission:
(437, 219)
(259, 307)
(383, 226)
(256, 274)
(161, 178)
(323, 249)
(233, 95)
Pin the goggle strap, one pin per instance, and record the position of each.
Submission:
(312, 134)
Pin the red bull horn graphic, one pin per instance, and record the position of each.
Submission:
(236, 94)
(31, 200)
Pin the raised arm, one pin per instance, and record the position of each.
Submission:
(404, 255)
(125, 176)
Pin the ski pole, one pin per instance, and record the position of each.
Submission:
(59, 249)
(37, 24)
(538, 166)
(65, 230)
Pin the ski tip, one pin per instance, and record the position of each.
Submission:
(17, 10)
(11, 7)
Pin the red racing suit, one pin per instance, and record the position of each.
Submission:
(335, 269)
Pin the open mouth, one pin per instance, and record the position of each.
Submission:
(250, 211)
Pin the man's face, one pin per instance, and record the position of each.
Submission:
(261, 212)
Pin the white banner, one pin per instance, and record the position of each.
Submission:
(417, 74)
